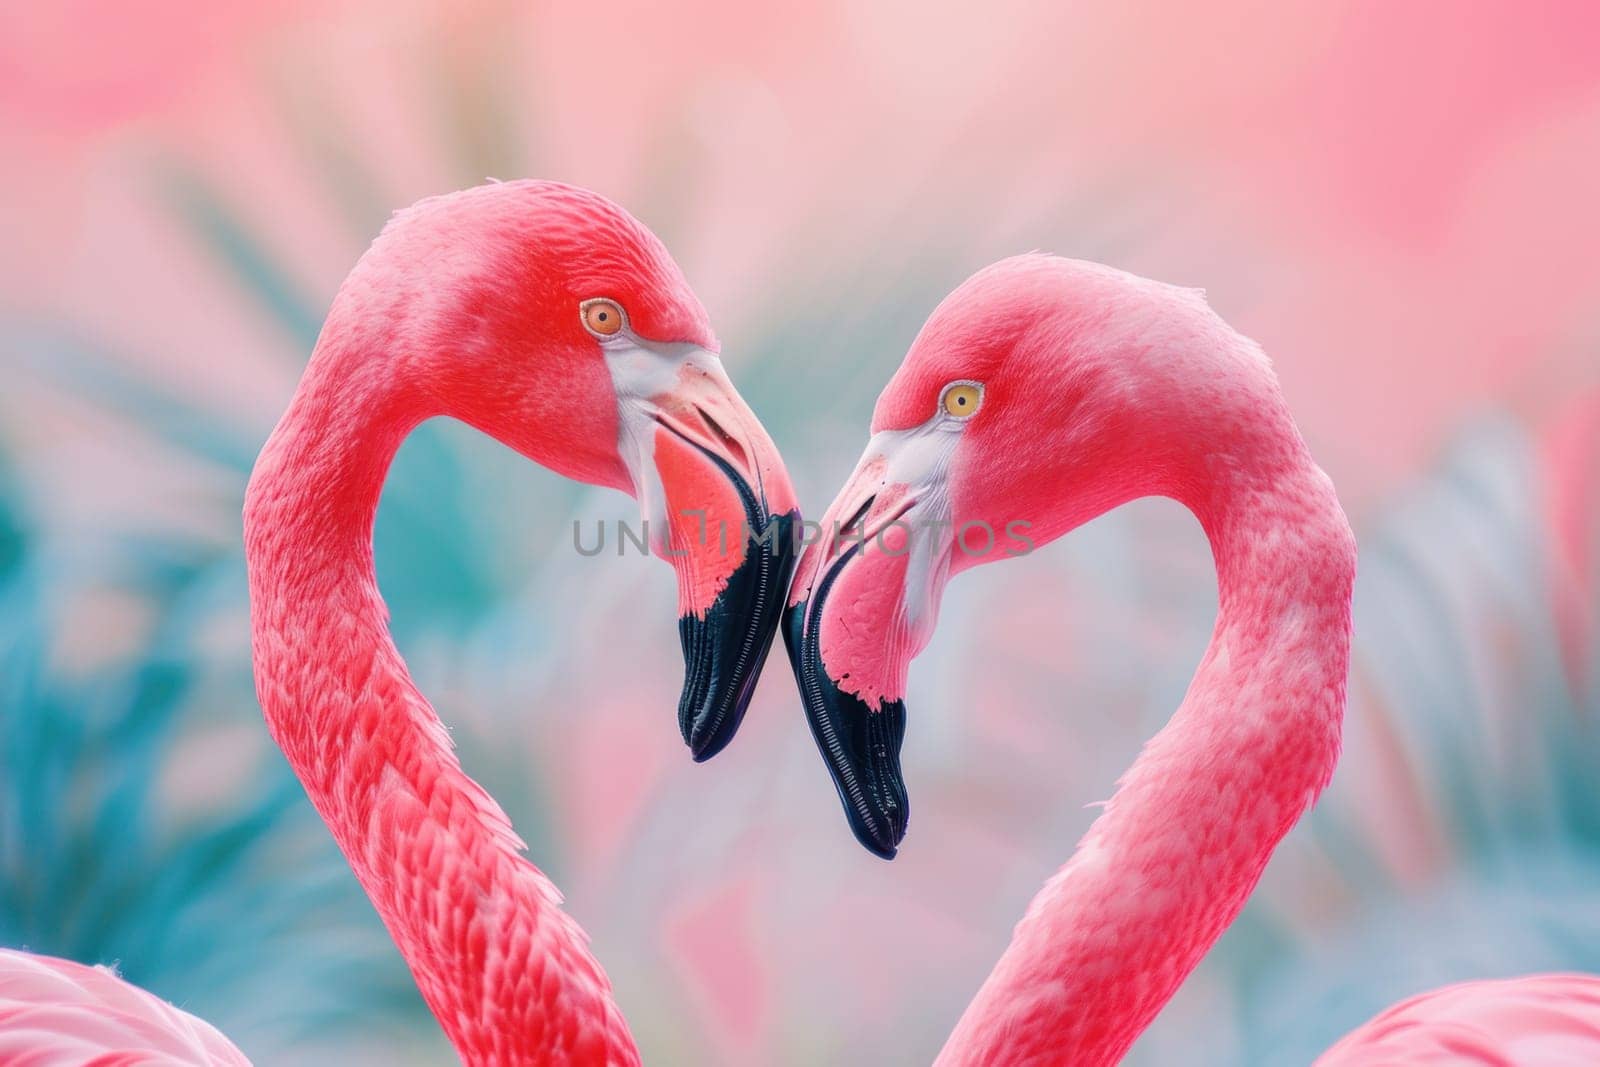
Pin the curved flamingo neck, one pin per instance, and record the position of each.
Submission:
(1178, 849)
(508, 974)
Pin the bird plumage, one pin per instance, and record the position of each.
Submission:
(57, 1013)
(1085, 388)
(473, 306)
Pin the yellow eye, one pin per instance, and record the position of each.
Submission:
(603, 317)
(962, 401)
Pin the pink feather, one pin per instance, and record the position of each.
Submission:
(56, 1013)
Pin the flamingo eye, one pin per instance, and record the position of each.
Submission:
(602, 317)
(962, 399)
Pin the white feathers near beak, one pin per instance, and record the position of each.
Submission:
(642, 372)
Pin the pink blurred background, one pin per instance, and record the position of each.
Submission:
(1397, 200)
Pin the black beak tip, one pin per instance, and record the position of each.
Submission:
(881, 842)
(724, 651)
(859, 744)
(703, 744)
(880, 851)
(879, 816)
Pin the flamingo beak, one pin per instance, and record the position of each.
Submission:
(864, 603)
(724, 515)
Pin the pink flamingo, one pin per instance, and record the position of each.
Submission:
(1040, 394)
(554, 321)
(56, 1013)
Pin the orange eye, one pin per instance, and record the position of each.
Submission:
(962, 399)
(603, 317)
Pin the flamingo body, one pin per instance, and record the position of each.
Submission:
(56, 1013)
(479, 306)
(552, 320)
(1040, 394)
(1541, 1020)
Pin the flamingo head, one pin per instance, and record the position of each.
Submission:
(1039, 394)
(560, 325)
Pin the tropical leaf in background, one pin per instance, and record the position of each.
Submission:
(223, 895)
